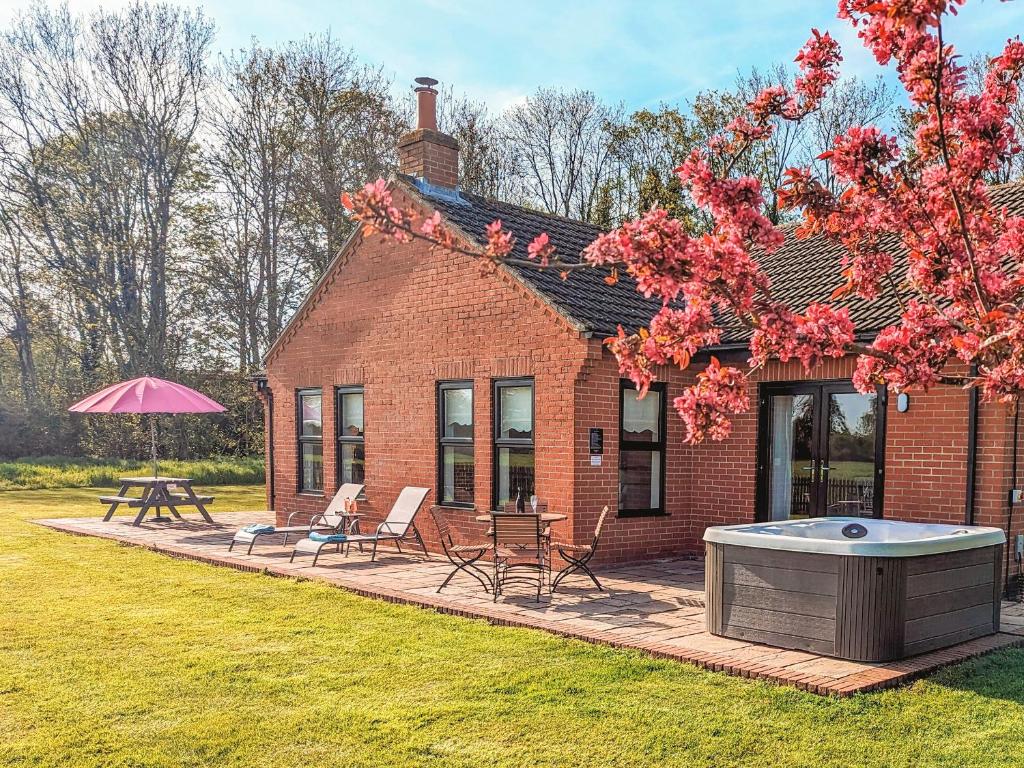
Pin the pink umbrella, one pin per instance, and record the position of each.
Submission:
(147, 395)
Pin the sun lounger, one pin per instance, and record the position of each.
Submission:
(332, 520)
(398, 527)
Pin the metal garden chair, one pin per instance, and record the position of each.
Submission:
(578, 555)
(519, 548)
(463, 555)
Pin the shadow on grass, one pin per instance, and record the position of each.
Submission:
(998, 675)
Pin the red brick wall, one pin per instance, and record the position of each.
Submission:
(396, 320)
(714, 483)
(627, 538)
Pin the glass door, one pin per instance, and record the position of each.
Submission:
(820, 451)
(852, 453)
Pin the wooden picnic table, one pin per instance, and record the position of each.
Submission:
(157, 492)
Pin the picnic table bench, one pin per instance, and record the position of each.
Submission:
(157, 492)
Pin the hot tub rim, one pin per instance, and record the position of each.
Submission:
(737, 535)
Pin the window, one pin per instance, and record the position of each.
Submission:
(351, 457)
(641, 451)
(455, 442)
(513, 440)
(311, 441)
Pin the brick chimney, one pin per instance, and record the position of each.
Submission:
(426, 153)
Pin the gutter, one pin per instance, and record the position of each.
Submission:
(736, 348)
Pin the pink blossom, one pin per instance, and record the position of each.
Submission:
(541, 249)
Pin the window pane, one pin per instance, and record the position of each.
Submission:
(851, 454)
(516, 411)
(641, 419)
(790, 448)
(312, 466)
(458, 474)
(312, 423)
(351, 414)
(353, 463)
(515, 473)
(639, 480)
(458, 412)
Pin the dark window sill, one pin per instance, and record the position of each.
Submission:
(312, 494)
(455, 505)
(642, 513)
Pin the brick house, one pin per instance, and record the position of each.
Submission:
(411, 366)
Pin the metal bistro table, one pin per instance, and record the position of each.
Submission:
(156, 493)
(545, 517)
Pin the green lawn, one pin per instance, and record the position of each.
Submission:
(114, 656)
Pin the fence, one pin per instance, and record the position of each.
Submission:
(859, 489)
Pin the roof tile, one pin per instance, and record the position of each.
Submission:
(801, 271)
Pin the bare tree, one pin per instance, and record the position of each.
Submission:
(16, 300)
(349, 134)
(561, 143)
(851, 102)
(97, 122)
(486, 166)
(257, 136)
(295, 127)
(149, 64)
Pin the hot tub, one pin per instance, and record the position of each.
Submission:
(853, 588)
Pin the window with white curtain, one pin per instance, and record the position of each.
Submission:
(641, 450)
(456, 475)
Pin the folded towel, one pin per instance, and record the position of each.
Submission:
(259, 528)
(328, 538)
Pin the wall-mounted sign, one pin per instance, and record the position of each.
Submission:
(595, 461)
(596, 441)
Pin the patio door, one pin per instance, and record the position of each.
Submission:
(821, 451)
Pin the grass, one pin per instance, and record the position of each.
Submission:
(838, 470)
(78, 472)
(116, 656)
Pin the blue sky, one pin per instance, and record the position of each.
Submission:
(501, 51)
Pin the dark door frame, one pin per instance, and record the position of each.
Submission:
(821, 389)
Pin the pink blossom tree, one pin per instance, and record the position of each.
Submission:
(919, 221)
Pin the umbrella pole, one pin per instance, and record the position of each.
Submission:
(156, 473)
(152, 442)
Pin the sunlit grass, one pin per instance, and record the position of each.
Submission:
(116, 656)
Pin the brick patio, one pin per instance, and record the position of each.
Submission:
(655, 607)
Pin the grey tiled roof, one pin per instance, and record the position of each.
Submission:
(802, 271)
(583, 297)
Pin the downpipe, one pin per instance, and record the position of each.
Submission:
(1012, 592)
